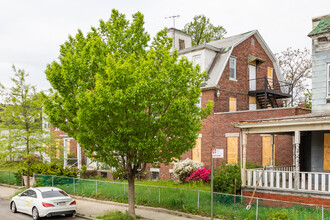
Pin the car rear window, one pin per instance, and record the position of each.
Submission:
(55, 193)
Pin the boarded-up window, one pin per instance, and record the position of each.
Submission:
(197, 151)
(270, 76)
(252, 103)
(232, 150)
(267, 151)
(232, 104)
(326, 162)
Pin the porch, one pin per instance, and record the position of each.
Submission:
(284, 179)
(309, 175)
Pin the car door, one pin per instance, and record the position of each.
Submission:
(21, 201)
(30, 200)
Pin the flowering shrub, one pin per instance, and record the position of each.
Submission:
(200, 174)
(183, 169)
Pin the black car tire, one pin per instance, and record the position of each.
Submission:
(35, 213)
(13, 207)
(68, 215)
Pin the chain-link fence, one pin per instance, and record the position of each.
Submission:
(8, 177)
(225, 206)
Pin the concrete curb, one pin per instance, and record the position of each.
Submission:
(161, 210)
(11, 186)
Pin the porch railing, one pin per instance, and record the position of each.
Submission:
(285, 180)
(277, 168)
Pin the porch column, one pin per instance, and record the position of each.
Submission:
(244, 144)
(79, 155)
(65, 151)
(272, 149)
(297, 163)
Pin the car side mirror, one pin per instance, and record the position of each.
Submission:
(19, 195)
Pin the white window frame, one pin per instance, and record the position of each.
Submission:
(234, 59)
(328, 80)
(194, 60)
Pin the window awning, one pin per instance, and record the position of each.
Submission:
(255, 60)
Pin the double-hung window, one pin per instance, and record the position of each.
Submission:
(232, 68)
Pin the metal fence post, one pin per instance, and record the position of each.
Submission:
(257, 208)
(95, 187)
(159, 195)
(197, 199)
(52, 180)
(322, 212)
(8, 178)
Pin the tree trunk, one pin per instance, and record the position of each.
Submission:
(28, 175)
(131, 195)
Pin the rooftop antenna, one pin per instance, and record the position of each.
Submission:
(173, 17)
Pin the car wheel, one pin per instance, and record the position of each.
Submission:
(13, 207)
(68, 215)
(35, 213)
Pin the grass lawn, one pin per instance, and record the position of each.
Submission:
(185, 199)
(117, 215)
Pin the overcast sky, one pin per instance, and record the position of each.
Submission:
(32, 31)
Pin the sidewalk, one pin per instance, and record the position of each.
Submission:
(92, 208)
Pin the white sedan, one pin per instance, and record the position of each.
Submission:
(43, 202)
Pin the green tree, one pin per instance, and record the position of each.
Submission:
(202, 31)
(296, 67)
(126, 102)
(22, 136)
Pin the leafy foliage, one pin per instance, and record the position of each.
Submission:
(201, 174)
(56, 169)
(224, 179)
(202, 31)
(296, 66)
(126, 102)
(21, 128)
(183, 169)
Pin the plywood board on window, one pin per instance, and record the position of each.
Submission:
(232, 104)
(326, 161)
(232, 150)
(197, 151)
(266, 151)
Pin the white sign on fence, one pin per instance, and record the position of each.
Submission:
(217, 153)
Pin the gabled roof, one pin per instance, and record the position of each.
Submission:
(224, 48)
(321, 28)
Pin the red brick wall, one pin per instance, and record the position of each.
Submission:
(213, 135)
(240, 88)
(291, 198)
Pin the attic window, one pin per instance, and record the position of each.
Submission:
(252, 41)
(181, 44)
(322, 39)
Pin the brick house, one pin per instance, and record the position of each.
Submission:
(245, 83)
(308, 180)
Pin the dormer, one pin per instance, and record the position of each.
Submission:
(321, 33)
(181, 40)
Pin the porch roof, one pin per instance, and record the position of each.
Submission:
(306, 122)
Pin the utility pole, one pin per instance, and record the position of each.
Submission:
(173, 17)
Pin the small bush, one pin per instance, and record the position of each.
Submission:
(183, 169)
(224, 179)
(200, 175)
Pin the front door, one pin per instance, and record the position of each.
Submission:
(326, 161)
(252, 77)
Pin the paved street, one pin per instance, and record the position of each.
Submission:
(5, 213)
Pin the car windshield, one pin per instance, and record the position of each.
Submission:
(55, 193)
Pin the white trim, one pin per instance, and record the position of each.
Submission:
(265, 135)
(328, 79)
(154, 170)
(231, 134)
(170, 170)
(199, 135)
